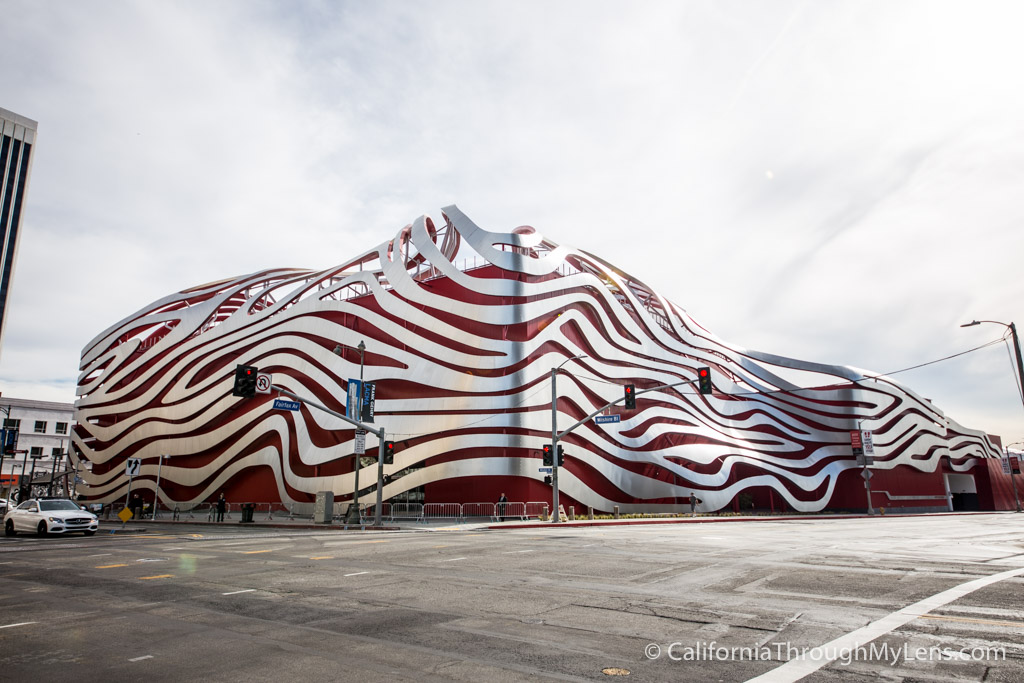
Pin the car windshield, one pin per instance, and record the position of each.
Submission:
(57, 505)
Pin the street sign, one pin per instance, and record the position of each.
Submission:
(360, 441)
(869, 444)
(125, 514)
(263, 382)
(282, 404)
(132, 466)
(866, 474)
(865, 460)
(1006, 464)
(855, 441)
(545, 470)
(606, 419)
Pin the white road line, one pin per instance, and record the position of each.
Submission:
(139, 659)
(513, 552)
(357, 574)
(100, 555)
(823, 655)
(247, 590)
(6, 563)
(454, 559)
(24, 623)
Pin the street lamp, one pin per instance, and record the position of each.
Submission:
(352, 516)
(1016, 348)
(1020, 381)
(555, 517)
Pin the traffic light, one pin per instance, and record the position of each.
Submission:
(561, 456)
(245, 381)
(704, 380)
(547, 455)
(547, 480)
(630, 396)
(389, 452)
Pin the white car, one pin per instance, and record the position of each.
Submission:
(50, 516)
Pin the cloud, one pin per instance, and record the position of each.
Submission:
(180, 143)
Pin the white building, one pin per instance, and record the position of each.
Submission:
(43, 439)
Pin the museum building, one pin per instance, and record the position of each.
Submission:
(460, 329)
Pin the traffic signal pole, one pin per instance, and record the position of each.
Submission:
(379, 432)
(555, 435)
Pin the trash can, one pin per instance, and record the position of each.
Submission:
(247, 512)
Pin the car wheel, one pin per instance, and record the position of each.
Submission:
(89, 533)
(9, 528)
(41, 529)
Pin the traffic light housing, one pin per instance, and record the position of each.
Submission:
(245, 381)
(561, 456)
(547, 480)
(704, 380)
(389, 452)
(630, 396)
(547, 455)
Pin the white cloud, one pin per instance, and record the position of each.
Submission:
(835, 182)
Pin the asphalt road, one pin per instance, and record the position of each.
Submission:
(927, 598)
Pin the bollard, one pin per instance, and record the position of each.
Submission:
(545, 517)
(883, 511)
(616, 512)
(590, 512)
(572, 513)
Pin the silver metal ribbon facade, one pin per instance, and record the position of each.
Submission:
(462, 328)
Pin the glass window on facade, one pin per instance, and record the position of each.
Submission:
(40, 427)
(54, 452)
(12, 424)
(61, 428)
(36, 450)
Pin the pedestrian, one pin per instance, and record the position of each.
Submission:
(502, 504)
(222, 507)
(694, 502)
(136, 506)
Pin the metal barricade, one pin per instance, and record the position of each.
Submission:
(406, 511)
(442, 511)
(533, 509)
(369, 512)
(510, 510)
(479, 510)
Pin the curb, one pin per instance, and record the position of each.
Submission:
(719, 520)
(149, 524)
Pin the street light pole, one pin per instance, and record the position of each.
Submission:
(352, 516)
(1020, 383)
(555, 516)
(1016, 349)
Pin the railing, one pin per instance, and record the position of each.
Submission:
(420, 512)
(479, 510)
(441, 511)
(535, 509)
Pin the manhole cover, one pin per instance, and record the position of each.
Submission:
(615, 671)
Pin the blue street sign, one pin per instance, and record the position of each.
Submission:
(605, 419)
(281, 404)
(545, 470)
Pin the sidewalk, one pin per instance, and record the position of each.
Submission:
(477, 524)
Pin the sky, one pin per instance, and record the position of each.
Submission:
(835, 181)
